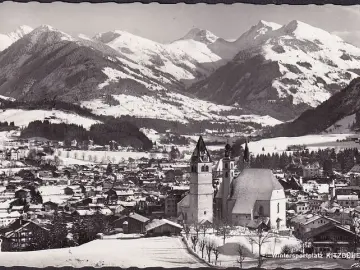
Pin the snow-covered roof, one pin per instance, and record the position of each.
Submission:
(160, 222)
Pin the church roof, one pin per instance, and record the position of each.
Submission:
(200, 154)
(252, 185)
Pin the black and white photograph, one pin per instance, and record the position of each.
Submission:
(179, 135)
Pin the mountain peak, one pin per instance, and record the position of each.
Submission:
(201, 35)
(24, 29)
(272, 25)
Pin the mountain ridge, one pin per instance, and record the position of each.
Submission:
(271, 69)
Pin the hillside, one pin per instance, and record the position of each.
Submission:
(282, 70)
(341, 107)
(269, 73)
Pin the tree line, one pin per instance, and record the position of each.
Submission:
(124, 133)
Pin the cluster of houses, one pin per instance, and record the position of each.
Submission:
(136, 197)
(157, 197)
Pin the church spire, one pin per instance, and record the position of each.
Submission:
(200, 154)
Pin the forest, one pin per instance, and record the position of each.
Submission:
(124, 133)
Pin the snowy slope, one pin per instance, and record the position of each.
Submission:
(343, 125)
(7, 39)
(24, 117)
(165, 252)
(282, 70)
(183, 61)
(173, 106)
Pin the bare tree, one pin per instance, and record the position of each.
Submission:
(202, 244)
(261, 237)
(204, 228)
(186, 230)
(194, 241)
(209, 244)
(216, 251)
(241, 258)
(251, 241)
(276, 239)
(197, 228)
(224, 229)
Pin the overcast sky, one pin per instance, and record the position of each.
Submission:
(164, 23)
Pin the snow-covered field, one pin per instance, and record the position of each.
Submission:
(24, 117)
(165, 252)
(173, 107)
(279, 144)
(76, 156)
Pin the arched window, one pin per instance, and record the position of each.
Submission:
(206, 168)
(226, 165)
(204, 212)
(226, 174)
(278, 207)
(232, 166)
(231, 174)
(203, 168)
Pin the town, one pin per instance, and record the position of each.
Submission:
(309, 198)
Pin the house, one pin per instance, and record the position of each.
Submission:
(74, 143)
(305, 223)
(50, 206)
(23, 235)
(6, 218)
(113, 196)
(302, 207)
(173, 175)
(2, 155)
(131, 223)
(332, 238)
(14, 154)
(23, 194)
(73, 190)
(312, 170)
(162, 226)
(173, 198)
(348, 200)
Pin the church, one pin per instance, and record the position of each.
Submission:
(253, 195)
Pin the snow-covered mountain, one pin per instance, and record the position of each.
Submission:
(185, 61)
(7, 39)
(282, 70)
(335, 115)
(271, 70)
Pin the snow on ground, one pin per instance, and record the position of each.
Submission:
(24, 117)
(105, 156)
(279, 144)
(174, 107)
(52, 190)
(165, 252)
(342, 126)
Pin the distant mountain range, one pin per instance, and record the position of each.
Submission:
(271, 71)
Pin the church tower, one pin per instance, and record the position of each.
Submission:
(201, 188)
(227, 175)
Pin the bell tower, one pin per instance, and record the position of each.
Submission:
(227, 175)
(201, 188)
